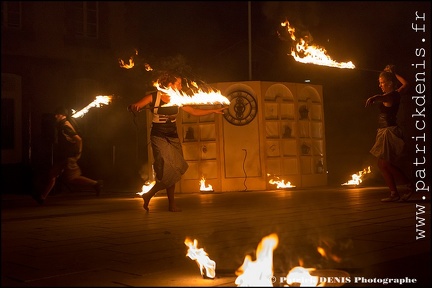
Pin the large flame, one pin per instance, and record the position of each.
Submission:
(200, 97)
(206, 265)
(305, 52)
(259, 272)
(356, 179)
(98, 102)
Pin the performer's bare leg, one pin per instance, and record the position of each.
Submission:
(172, 206)
(147, 196)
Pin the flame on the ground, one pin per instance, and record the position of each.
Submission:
(300, 277)
(199, 97)
(305, 52)
(356, 179)
(98, 102)
(260, 271)
(206, 265)
(203, 186)
(146, 187)
(281, 183)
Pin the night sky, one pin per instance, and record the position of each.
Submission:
(213, 36)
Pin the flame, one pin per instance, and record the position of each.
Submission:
(259, 272)
(127, 66)
(300, 277)
(147, 67)
(356, 178)
(146, 187)
(179, 98)
(131, 63)
(98, 102)
(328, 255)
(280, 183)
(306, 53)
(203, 185)
(204, 263)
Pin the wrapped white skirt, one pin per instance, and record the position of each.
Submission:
(389, 144)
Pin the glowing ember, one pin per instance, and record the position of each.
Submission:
(259, 272)
(206, 265)
(281, 183)
(357, 178)
(98, 102)
(305, 52)
(179, 98)
(203, 185)
(146, 187)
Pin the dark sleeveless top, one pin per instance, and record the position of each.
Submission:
(387, 116)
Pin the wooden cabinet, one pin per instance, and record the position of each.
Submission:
(294, 134)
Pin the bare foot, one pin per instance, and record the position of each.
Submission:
(174, 209)
(146, 197)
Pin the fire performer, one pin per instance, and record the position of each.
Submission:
(389, 143)
(66, 154)
(169, 164)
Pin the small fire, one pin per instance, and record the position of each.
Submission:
(206, 265)
(131, 63)
(179, 98)
(259, 272)
(357, 178)
(203, 185)
(281, 183)
(304, 52)
(98, 102)
(146, 187)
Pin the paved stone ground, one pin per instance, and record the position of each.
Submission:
(80, 240)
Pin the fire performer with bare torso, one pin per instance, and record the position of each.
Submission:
(389, 143)
(169, 164)
(67, 152)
